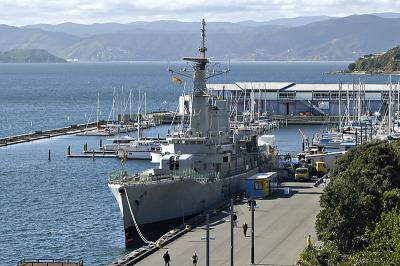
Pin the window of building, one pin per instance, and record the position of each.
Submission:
(258, 185)
(287, 95)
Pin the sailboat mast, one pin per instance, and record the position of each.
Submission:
(348, 104)
(359, 101)
(138, 117)
(130, 104)
(259, 101)
(340, 107)
(145, 104)
(244, 103)
(390, 107)
(98, 109)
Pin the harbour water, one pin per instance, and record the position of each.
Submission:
(42, 96)
(63, 208)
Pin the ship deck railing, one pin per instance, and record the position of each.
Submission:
(119, 177)
(122, 176)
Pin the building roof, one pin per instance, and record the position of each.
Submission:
(335, 87)
(293, 87)
(223, 86)
(262, 176)
(265, 86)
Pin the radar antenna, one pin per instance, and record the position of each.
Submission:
(203, 48)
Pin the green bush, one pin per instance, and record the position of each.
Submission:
(384, 235)
(353, 198)
(308, 257)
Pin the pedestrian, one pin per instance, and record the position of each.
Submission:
(194, 259)
(324, 181)
(245, 229)
(167, 258)
(308, 241)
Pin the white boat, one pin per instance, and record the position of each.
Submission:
(117, 143)
(140, 149)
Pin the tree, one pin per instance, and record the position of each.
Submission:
(384, 235)
(353, 198)
(352, 67)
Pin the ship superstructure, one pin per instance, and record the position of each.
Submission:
(200, 167)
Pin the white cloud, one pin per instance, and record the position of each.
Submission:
(21, 12)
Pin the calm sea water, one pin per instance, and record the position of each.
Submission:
(42, 96)
(63, 208)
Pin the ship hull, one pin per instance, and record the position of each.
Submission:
(158, 207)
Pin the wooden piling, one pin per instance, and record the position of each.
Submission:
(69, 150)
(49, 155)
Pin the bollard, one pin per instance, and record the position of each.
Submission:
(49, 155)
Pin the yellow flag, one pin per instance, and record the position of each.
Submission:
(124, 156)
(176, 80)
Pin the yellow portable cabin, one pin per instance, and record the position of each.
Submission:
(261, 185)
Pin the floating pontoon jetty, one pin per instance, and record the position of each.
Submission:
(69, 130)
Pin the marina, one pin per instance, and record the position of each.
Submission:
(75, 175)
(132, 133)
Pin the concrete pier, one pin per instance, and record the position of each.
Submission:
(73, 129)
(282, 223)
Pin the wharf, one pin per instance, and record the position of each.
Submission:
(282, 223)
(92, 155)
(73, 129)
(306, 120)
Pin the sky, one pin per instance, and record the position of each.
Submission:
(23, 12)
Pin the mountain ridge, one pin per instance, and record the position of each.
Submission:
(329, 39)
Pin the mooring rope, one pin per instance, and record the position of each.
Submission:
(135, 223)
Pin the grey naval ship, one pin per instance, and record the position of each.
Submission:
(200, 167)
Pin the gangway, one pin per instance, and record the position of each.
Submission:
(311, 105)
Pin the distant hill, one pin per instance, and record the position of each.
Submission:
(387, 62)
(324, 38)
(387, 15)
(296, 22)
(29, 56)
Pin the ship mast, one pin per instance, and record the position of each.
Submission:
(199, 113)
(203, 48)
(200, 116)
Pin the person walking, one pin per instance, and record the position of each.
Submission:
(308, 241)
(167, 258)
(245, 229)
(194, 259)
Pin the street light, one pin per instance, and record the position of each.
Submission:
(207, 238)
(252, 207)
(233, 215)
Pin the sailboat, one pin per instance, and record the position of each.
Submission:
(141, 148)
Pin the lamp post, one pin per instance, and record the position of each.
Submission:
(252, 202)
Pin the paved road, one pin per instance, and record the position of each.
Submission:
(281, 225)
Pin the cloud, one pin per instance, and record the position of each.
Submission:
(21, 12)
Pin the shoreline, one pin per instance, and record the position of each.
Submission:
(344, 72)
